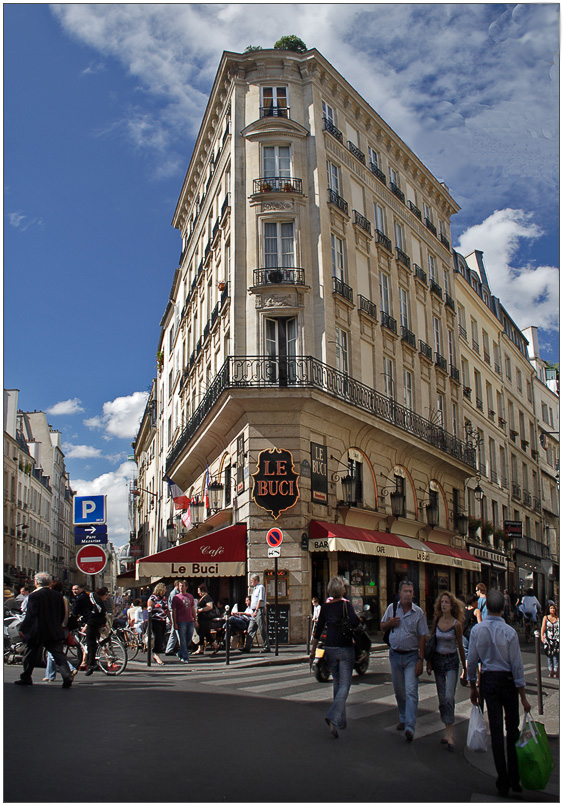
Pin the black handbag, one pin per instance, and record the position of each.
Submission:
(349, 631)
(430, 647)
(387, 632)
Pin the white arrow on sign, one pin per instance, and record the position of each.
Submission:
(274, 552)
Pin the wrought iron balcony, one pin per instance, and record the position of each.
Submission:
(524, 444)
(516, 491)
(479, 403)
(454, 373)
(420, 273)
(376, 171)
(513, 434)
(498, 369)
(278, 276)
(425, 349)
(306, 372)
(362, 222)
(463, 332)
(278, 184)
(441, 362)
(343, 290)
(445, 241)
(450, 302)
(329, 127)
(467, 392)
(388, 322)
(402, 257)
(338, 201)
(504, 482)
(415, 210)
(224, 294)
(494, 477)
(475, 345)
(408, 336)
(487, 356)
(397, 191)
(381, 238)
(353, 149)
(224, 207)
(492, 415)
(502, 422)
(274, 111)
(430, 226)
(435, 288)
(368, 307)
(527, 498)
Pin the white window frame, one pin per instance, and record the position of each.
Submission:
(283, 173)
(342, 346)
(389, 377)
(408, 390)
(275, 103)
(437, 334)
(384, 294)
(338, 252)
(281, 261)
(404, 313)
(333, 176)
(394, 176)
(379, 218)
(329, 112)
(431, 267)
(373, 157)
(399, 232)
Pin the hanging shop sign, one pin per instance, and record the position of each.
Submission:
(275, 485)
(319, 474)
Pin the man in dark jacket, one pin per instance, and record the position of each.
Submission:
(43, 627)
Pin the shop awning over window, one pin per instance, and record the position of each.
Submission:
(459, 558)
(217, 554)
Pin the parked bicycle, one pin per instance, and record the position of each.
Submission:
(132, 641)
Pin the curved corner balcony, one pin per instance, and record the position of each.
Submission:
(278, 276)
(306, 372)
(277, 184)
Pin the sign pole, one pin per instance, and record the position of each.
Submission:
(276, 600)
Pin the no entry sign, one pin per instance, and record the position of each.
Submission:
(91, 559)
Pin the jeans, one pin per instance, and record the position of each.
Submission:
(553, 662)
(341, 664)
(185, 633)
(446, 672)
(258, 622)
(500, 694)
(405, 686)
(172, 639)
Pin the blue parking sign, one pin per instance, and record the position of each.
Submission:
(89, 509)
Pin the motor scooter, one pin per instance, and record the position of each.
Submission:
(362, 648)
(14, 647)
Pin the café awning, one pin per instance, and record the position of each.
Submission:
(217, 554)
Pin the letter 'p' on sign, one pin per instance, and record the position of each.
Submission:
(89, 509)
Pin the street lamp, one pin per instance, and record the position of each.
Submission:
(348, 482)
(171, 531)
(196, 510)
(215, 491)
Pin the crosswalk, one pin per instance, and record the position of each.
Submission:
(371, 695)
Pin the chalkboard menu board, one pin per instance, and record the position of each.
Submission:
(283, 623)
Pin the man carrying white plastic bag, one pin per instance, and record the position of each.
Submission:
(494, 644)
(477, 731)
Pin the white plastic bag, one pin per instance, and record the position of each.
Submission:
(477, 731)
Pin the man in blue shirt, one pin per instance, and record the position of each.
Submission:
(481, 591)
(494, 644)
(407, 641)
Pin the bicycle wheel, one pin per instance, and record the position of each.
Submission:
(131, 643)
(111, 656)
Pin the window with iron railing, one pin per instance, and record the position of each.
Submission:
(366, 306)
(388, 322)
(362, 222)
(353, 149)
(338, 201)
(329, 127)
(343, 290)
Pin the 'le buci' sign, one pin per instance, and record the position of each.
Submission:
(275, 485)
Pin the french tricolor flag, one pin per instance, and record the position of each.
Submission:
(181, 501)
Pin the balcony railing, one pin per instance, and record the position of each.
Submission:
(463, 332)
(504, 482)
(454, 373)
(274, 111)
(467, 392)
(487, 357)
(343, 290)
(362, 222)
(513, 435)
(494, 477)
(445, 241)
(337, 200)
(329, 127)
(527, 498)
(397, 191)
(368, 307)
(435, 288)
(414, 209)
(425, 349)
(430, 226)
(388, 322)
(516, 491)
(492, 415)
(278, 184)
(381, 238)
(450, 302)
(479, 403)
(420, 273)
(307, 372)
(501, 422)
(475, 345)
(353, 149)
(408, 336)
(441, 362)
(402, 257)
(278, 276)
(498, 369)
(376, 171)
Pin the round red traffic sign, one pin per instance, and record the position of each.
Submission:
(91, 559)
(274, 537)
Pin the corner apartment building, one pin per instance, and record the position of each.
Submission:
(312, 313)
(38, 531)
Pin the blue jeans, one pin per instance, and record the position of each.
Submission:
(446, 672)
(341, 664)
(185, 633)
(51, 669)
(405, 686)
(553, 662)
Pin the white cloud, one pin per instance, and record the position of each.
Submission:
(121, 417)
(80, 451)
(22, 222)
(71, 406)
(115, 485)
(529, 293)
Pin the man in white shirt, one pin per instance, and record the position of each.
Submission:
(258, 620)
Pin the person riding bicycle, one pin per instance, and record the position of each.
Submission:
(530, 606)
(94, 621)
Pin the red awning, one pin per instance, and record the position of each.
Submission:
(217, 554)
(449, 551)
(337, 537)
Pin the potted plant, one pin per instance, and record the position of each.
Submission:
(160, 360)
(266, 187)
(500, 534)
(473, 525)
(487, 528)
(288, 187)
(221, 285)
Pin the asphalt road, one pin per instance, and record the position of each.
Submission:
(211, 733)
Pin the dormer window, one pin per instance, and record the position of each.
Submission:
(274, 102)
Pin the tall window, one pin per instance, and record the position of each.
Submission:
(407, 390)
(274, 102)
(427, 211)
(394, 177)
(440, 410)
(337, 248)
(389, 376)
(329, 113)
(341, 350)
(379, 215)
(384, 299)
(373, 157)
(451, 347)
(436, 329)
(432, 267)
(454, 419)
(399, 236)
(281, 346)
(447, 286)
(277, 161)
(279, 244)
(333, 176)
(404, 308)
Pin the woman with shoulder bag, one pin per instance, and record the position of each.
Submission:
(447, 629)
(338, 615)
(550, 639)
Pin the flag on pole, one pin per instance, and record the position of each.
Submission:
(207, 482)
(187, 518)
(181, 500)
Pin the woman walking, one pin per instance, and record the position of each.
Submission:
(339, 649)
(550, 639)
(158, 610)
(448, 621)
(472, 616)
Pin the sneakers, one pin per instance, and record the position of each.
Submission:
(90, 670)
(265, 650)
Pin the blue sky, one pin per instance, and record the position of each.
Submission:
(101, 107)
